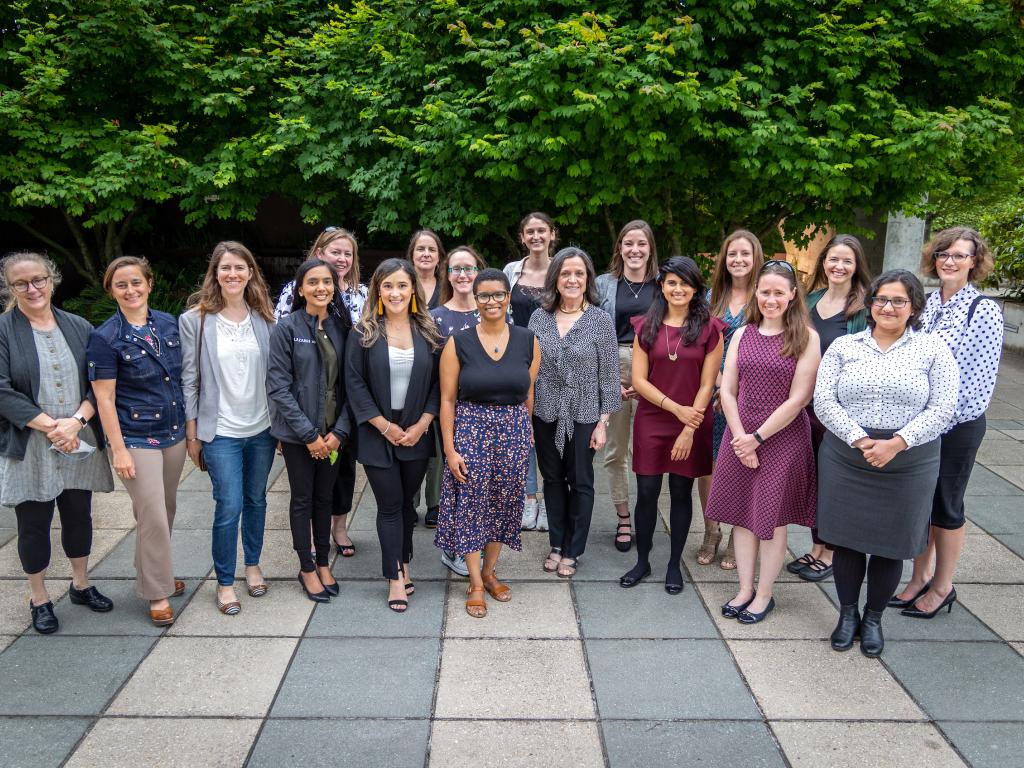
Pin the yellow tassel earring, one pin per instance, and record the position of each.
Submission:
(380, 306)
(412, 305)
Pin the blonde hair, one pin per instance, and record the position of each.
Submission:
(327, 237)
(6, 293)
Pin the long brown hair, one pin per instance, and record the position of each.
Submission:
(328, 236)
(796, 322)
(447, 291)
(616, 268)
(209, 299)
(861, 282)
(372, 323)
(540, 216)
(721, 280)
(441, 255)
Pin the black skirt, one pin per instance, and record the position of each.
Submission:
(883, 511)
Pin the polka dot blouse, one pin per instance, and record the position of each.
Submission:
(976, 347)
(910, 388)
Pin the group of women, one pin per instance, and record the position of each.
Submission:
(473, 379)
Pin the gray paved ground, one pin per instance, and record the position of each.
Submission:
(568, 674)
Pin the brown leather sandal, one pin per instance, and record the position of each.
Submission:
(500, 592)
(553, 559)
(476, 607)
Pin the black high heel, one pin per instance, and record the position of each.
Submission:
(317, 597)
(895, 602)
(917, 613)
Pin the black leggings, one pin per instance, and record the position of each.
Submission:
(394, 488)
(648, 489)
(883, 577)
(34, 519)
(312, 484)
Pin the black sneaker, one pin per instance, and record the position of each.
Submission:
(43, 618)
(430, 519)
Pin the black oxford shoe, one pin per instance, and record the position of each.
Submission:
(91, 597)
(44, 620)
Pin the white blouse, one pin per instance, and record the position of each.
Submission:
(242, 406)
(910, 388)
(976, 346)
(401, 373)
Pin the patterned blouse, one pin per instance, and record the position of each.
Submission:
(909, 388)
(976, 345)
(353, 300)
(579, 372)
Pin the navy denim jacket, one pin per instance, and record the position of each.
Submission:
(150, 404)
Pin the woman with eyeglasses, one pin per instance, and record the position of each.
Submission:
(885, 395)
(391, 371)
(49, 433)
(487, 376)
(425, 253)
(627, 290)
(765, 478)
(337, 247)
(971, 325)
(837, 287)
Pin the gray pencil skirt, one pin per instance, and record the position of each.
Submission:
(883, 511)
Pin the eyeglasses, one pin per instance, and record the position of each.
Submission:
(463, 270)
(21, 286)
(958, 258)
(498, 296)
(779, 263)
(898, 302)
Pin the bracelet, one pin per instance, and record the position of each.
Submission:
(191, 439)
(662, 403)
(385, 432)
(758, 437)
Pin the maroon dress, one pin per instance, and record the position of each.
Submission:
(655, 430)
(783, 489)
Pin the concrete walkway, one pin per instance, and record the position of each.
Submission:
(579, 673)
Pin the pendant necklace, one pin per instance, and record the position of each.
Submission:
(673, 355)
(497, 345)
(629, 287)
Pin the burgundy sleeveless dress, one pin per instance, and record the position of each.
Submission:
(783, 489)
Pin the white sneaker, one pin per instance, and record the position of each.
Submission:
(530, 515)
(542, 516)
(454, 563)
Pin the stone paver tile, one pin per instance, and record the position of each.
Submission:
(999, 409)
(712, 572)
(953, 681)
(109, 510)
(195, 480)
(277, 560)
(38, 742)
(802, 612)
(646, 610)
(997, 453)
(366, 564)
(514, 744)
(846, 686)
(739, 744)
(1014, 473)
(1012, 541)
(194, 511)
(535, 610)
(103, 541)
(361, 609)
(1018, 647)
(14, 595)
(215, 676)
(57, 675)
(995, 514)
(994, 605)
(984, 482)
(987, 745)
(986, 560)
(6, 640)
(6, 534)
(190, 550)
(525, 564)
(167, 742)
(656, 680)
(277, 512)
(129, 617)
(281, 612)
(1014, 434)
(360, 678)
(603, 562)
(865, 745)
(513, 679)
(331, 743)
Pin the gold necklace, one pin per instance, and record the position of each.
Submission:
(674, 354)
(564, 311)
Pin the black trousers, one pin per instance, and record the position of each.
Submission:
(568, 485)
(34, 519)
(345, 485)
(312, 484)
(394, 489)
(883, 577)
(957, 452)
(645, 513)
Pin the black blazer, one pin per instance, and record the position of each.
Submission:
(369, 394)
(19, 376)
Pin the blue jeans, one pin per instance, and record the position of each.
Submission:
(239, 467)
(531, 473)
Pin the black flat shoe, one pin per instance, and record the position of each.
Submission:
(623, 529)
(91, 597)
(847, 629)
(947, 603)
(674, 581)
(793, 566)
(871, 640)
(316, 597)
(895, 602)
(44, 620)
(816, 571)
(749, 617)
(732, 611)
(635, 575)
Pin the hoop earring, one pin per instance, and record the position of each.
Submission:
(412, 304)
(380, 306)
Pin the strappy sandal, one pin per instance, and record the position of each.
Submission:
(567, 568)
(623, 538)
(476, 607)
(553, 560)
(500, 592)
(800, 563)
(709, 548)
(728, 561)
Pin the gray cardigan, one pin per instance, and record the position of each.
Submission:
(203, 405)
(607, 288)
(19, 375)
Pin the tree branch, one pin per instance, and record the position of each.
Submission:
(49, 241)
(83, 266)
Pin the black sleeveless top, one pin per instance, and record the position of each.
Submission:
(486, 381)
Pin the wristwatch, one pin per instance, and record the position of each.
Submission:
(758, 438)
(81, 419)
